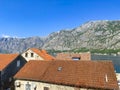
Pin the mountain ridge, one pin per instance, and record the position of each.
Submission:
(102, 34)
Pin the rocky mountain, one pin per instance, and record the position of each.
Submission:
(92, 35)
(17, 45)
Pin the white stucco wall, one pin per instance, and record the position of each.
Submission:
(118, 79)
(40, 86)
(35, 56)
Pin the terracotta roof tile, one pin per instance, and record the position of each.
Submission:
(89, 74)
(40, 69)
(42, 53)
(6, 59)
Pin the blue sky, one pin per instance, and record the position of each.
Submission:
(26, 18)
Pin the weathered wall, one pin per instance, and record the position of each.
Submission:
(10, 71)
(118, 79)
(35, 56)
(40, 86)
(69, 56)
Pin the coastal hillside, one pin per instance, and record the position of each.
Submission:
(103, 34)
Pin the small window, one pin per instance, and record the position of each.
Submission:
(17, 84)
(59, 68)
(46, 88)
(75, 58)
(10, 79)
(2, 72)
(8, 89)
(34, 86)
(18, 63)
(27, 86)
(32, 54)
(26, 54)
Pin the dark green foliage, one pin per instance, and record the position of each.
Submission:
(54, 52)
(105, 51)
(81, 50)
(93, 51)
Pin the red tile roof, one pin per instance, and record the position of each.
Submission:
(6, 59)
(84, 74)
(42, 53)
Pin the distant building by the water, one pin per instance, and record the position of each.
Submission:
(114, 59)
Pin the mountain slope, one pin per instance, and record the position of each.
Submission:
(16, 45)
(91, 35)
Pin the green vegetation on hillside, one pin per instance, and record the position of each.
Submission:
(93, 51)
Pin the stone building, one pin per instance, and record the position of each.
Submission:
(66, 75)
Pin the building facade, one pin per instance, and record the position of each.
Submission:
(66, 75)
(74, 56)
(10, 64)
(36, 54)
(34, 85)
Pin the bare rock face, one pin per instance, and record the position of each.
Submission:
(18, 45)
(92, 35)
